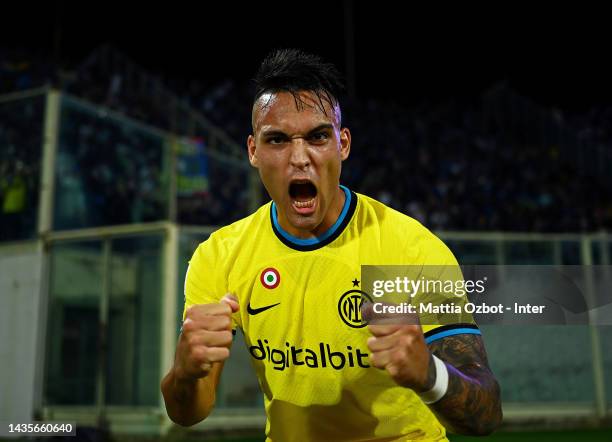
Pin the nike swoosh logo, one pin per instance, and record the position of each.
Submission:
(256, 311)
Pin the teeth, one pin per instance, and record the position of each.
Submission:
(302, 204)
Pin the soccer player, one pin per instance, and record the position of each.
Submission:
(285, 274)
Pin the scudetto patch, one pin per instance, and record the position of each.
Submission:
(270, 278)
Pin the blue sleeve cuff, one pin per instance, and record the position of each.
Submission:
(450, 330)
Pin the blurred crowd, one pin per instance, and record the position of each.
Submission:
(453, 166)
(108, 171)
(461, 165)
(20, 144)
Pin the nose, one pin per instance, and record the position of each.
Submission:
(299, 154)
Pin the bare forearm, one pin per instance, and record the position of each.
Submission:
(203, 346)
(187, 401)
(472, 403)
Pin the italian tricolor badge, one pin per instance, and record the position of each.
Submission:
(270, 278)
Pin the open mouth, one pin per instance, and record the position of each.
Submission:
(303, 194)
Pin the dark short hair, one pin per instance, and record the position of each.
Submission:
(291, 70)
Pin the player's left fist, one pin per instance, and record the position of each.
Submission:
(398, 346)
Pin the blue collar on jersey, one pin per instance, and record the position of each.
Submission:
(350, 202)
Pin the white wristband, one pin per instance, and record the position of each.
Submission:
(440, 386)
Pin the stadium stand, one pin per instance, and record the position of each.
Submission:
(435, 162)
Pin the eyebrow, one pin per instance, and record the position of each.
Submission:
(276, 132)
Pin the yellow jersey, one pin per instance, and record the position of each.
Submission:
(309, 352)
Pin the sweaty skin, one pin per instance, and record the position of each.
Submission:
(299, 139)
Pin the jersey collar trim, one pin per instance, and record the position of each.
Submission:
(350, 203)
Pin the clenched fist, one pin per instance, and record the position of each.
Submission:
(398, 346)
(206, 338)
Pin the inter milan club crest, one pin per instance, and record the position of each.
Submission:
(349, 307)
(270, 278)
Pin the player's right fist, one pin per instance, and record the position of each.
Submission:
(206, 337)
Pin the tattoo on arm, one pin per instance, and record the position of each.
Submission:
(472, 404)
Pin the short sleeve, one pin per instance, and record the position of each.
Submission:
(204, 280)
(441, 265)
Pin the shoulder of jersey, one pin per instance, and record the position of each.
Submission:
(400, 225)
(248, 226)
(390, 218)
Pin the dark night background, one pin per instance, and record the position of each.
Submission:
(520, 175)
(556, 56)
(490, 110)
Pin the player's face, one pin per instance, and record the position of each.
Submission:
(298, 151)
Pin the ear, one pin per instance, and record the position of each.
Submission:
(345, 143)
(252, 149)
